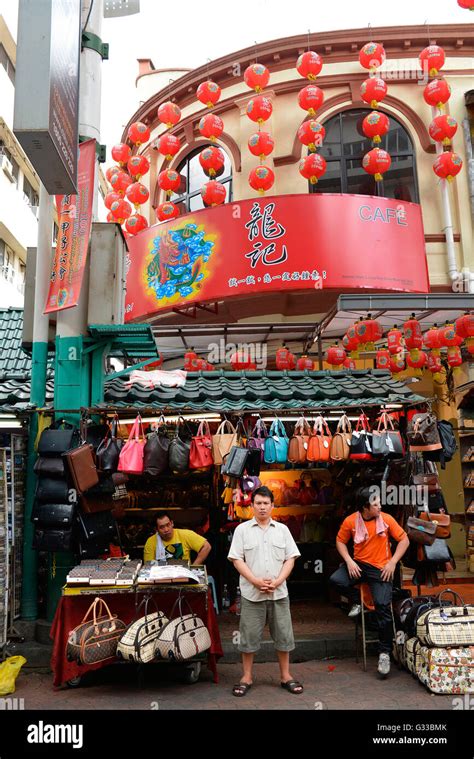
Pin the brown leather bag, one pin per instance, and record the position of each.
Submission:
(298, 446)
(341, 442)
(319, 445)
(442, 522)
(421, 531)
(82, 467)
(95, 640)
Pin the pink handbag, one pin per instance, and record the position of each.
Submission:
(131, 455)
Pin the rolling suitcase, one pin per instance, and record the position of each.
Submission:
(449, 671)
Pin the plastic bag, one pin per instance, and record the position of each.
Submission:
(9, 671)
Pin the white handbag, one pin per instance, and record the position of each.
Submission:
(184, 637)
(138, 641)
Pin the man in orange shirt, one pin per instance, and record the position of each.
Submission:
(370, 529)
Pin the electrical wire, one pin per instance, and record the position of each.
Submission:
(88, 16)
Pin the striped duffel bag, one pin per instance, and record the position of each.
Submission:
(139, 639)
(449, 671)
(412, 647)
(447, 627)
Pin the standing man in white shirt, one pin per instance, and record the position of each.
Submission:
(264, 552)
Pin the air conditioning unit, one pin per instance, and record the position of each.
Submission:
(7, 167)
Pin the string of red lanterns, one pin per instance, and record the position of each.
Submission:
(259, 110)
(311, 133)
(375, 125)
(123, 179)
(211, 158)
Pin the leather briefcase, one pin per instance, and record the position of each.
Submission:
(52, 491)
(49, 467)
(55, 441)
(82, 467)
(52, 540)
(99, 526)
(59, 515)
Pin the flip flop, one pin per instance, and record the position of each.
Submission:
(292, 687)
(242, 687)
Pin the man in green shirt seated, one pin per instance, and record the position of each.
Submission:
(171, 543)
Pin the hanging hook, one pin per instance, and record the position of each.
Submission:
(428, 30)
(309, 32)
(256, 54)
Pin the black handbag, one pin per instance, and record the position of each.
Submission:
(386, 441)
(100, 526)
(52, 540)
(55, 440)
(156, 451)
(254, 462)
(94, 434)
(179, 450)
(108, 451)
(52, 491)
(437, 552)
(105, 486)
(49, 467)
(53, 514)
(235, 462)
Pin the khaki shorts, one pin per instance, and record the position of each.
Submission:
(253, 617)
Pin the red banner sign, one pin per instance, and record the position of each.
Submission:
(75, 219)
(288, 242)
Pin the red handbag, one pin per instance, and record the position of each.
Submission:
(200, 455)
(131, 455)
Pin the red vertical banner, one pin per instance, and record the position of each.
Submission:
(75, 220)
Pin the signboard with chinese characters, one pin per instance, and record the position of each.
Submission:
(47, 89)
(74, 229)
(289, 242)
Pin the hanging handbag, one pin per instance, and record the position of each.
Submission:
(437, 552)
(423, 433)
(249, 483)
(95, 640)
(298, 445)
(223, 441)
(442, 522)
(156, 451)
(420, 531)
(94, 434)
(49, 467)
(52, 491)
(46, 539)
(131, 455)
(319, 444)
(341, 442)
(108, 451)
(55, 515)
(200, 454)
(361, 440)
(184, 637)
(257, 439)
(100, 526)
(235, 462)
(82, 468)
(139, 639)
(275, 449)
(58, 438)
(179, 450)
(386, 441)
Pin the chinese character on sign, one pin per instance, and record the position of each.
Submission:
(266, 255)
(295, 276)
(250, 280)
(233, 282)
(267, 279)
(264, 225)
(286, 276)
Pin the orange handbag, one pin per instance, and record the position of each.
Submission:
(341, 442)
(298, 446)
(319, 446)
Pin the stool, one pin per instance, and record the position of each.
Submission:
(212, 586)
(367, 605)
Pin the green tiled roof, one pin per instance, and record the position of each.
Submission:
(14, 362)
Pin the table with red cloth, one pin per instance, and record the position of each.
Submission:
(72, 609)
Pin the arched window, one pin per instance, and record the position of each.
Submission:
(193, 178)
(344, 148)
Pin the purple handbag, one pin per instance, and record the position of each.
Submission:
(257, 438)
(249, 484)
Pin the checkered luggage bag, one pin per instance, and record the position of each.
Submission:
(399, 648)
(412, 648)
(184, 637)
(447, 627)
(139, 639)
(449, 671)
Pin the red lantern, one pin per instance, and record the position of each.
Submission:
(211, 126)
(397, 363)
(120, 210)
(213, 193)
(304, 362)
(373, 91)
(136, 223)
(110, 198)
(169, 145)
(190, 361)
(208, 93)
(121, 153)
(111, 217)
(395, 340)
(432, 59)
(240, 360)
(372, 55)
(437, 93)
(261, 179)
(285, 360)
(434, 365)
(259, 109)
(368, 332)
(432, 340)
(256, 76)
(335, 355)
(468, 5)
(111, 171)
(313, 167)
(454, 356)
(349, 363)
(212, 161)
(351, 344)
(443, 128)
(167, 211)
(465, 329)
(138, 133)
(413, 336)
(169, 180)
(447, 165)
(309, 65)
(137, 194)
(448, 337)
(311, 133)
(155, 364)
(169, 113)
(311, 98)
(416, 360)
(261, 144)
(138, 166)
(375, 126)
(120, 181)
(383, 359)
(376, 162)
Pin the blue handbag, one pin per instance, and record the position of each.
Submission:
(276, 444)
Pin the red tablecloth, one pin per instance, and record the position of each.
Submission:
(71, 610)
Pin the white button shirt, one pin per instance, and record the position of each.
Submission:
(265, 551)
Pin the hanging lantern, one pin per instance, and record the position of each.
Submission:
(443, 128)
(468, 5)
(413, 336)
(368, 331)
(432, 59)
(111, 171)
(311, 98)
(120, 181)
(138, 133)
(212, 161)
(190, 361)
(256, 76)
(169, 113)
(110, 198)
(447, 165)
(169, 145)
(169, 181)
(120, 210)
(397, 363)
(201, 365)
(167, 211)
(213, 193)
(373, 91)
(137, 194)
(261, 179)
(309, 65)
(349, 363)
(416, 360)
(372, 55)
(136, 223)
(259, 109)
(465, 329)
(111, 218)
(121, 153)
(211, 126)
(351, 344)
(434, 365)
(155, 364)
(454, 356)
(375, 126)
(432, 340)
(448, 337)
(437, 93)
(138, 166)
(284, 359)
(241, 361)
(208, 93)
(382, 359)
(335, 355)
(395, 341)
(376, 162)
(261, 144)
(304, 362)
(311, 133)
(312, 167)
(210, 367)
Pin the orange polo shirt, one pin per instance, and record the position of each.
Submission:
(376, 549)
